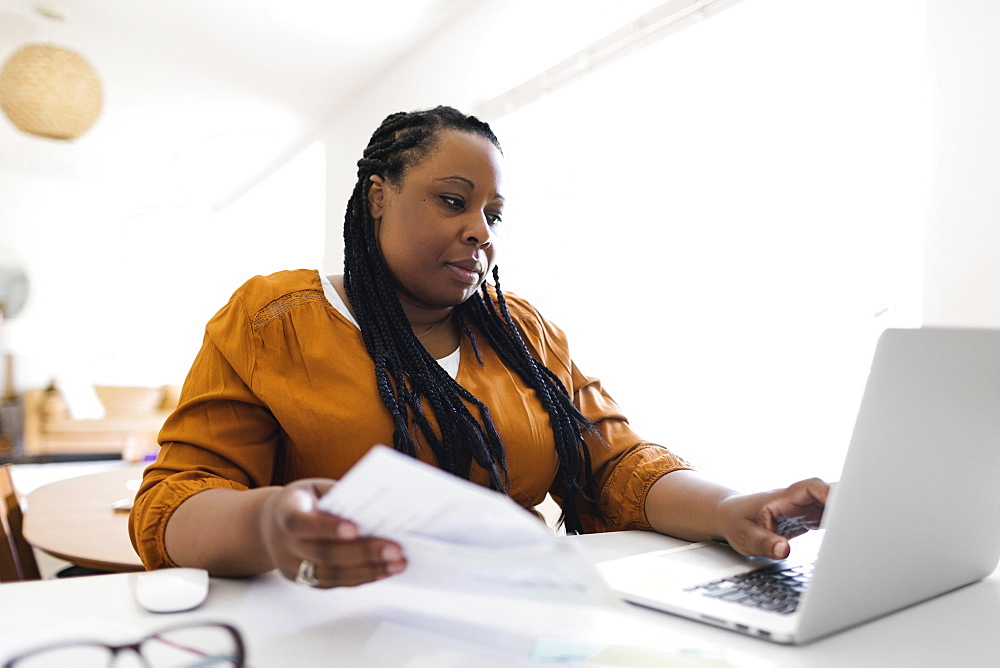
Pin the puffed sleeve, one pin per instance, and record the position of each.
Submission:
(220, 435)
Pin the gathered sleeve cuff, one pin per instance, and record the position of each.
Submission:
(152, 512)
(623, 497)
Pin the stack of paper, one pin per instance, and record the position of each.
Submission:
(459, 535)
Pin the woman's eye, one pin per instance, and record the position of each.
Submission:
(453, 202)
(494, 219)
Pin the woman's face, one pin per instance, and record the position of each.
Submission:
(437, 229)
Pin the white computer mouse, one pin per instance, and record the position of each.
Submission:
(170, 589)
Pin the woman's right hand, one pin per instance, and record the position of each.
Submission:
(295, 530)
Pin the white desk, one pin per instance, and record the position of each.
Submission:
(388, 623)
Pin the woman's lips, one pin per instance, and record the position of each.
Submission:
(467, 271)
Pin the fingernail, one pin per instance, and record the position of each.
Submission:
(347, 531)
(393, 567)
(391, 553)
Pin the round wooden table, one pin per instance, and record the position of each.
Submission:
(75, 519)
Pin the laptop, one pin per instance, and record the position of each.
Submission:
(915, 514)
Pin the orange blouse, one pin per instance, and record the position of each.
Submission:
(283, 388)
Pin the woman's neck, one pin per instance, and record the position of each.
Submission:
(434, 328)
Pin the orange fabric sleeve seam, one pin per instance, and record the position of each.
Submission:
(619, 470)
(175, 503)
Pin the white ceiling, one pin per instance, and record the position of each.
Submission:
(207, 91)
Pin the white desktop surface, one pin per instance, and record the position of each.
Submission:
(390, 624)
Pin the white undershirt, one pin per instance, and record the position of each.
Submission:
(448, 363)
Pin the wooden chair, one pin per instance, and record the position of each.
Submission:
(17, 559)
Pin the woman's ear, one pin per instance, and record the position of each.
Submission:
(375, 193)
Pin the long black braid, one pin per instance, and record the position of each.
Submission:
(407, 376)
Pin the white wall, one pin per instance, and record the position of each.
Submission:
(120, 292)
(962, 284)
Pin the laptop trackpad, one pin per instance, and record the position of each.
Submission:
(709, 555)
(678, 567)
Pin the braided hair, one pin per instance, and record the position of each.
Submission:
(408, 378)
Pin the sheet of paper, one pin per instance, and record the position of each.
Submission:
(459, 535)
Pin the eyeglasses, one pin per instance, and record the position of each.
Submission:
(201, 645)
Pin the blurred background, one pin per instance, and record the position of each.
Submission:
(722, 202)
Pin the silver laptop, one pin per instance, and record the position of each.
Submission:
(915, 514)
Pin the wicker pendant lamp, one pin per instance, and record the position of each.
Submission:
(49, 91)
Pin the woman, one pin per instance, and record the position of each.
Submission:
(299, 375)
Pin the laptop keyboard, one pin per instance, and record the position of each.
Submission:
(774, 589)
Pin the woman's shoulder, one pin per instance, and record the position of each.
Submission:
(290, 285)
(280, 283)
(519, 307)
(262, 298)
(540, 331)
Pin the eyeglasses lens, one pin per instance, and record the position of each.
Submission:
(201, 646)
(204, 646)
(71, 655)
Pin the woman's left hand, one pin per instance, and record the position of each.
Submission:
(760, 524)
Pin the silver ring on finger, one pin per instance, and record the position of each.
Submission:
(306, 574)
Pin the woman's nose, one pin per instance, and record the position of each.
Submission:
(479, 232)
(479, 243)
